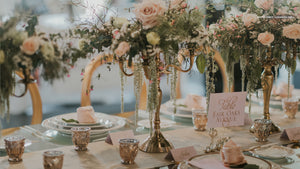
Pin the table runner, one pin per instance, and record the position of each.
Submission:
(103, 155)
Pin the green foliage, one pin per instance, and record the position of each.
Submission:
(30, 28)
(201, 62)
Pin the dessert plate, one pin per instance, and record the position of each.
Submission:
(273, 152)
(263, 164)
(163, 123)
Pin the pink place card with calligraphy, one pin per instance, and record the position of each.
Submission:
(291, 133)
(208, 164)
(226, 109)
(113, 138)
(181, 154)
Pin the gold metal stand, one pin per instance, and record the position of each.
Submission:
(267, 78)
(156, 142)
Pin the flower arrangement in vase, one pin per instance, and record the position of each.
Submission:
(266, 35)
(24, 49)
(150, 42)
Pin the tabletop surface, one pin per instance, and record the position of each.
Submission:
(103, 155)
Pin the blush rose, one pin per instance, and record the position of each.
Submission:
(265, 38)
(148, 11)
(122, 48)
(30, 45)
(249, 19)
(264, 4)
(292, 31)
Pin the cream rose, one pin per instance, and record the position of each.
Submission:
(47, 50)
(122, 49)
(153, 38)
(249, 19)
(120, 21)
(2, 56)
(148, 11)
(30, 45)
(292, 31)
(265, 38)
(264, 4)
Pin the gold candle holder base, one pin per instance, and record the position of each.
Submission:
(274, 128)
(156, 143)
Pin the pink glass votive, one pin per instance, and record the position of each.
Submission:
(290, 107)
(53, 159)
(14, 146)
(199, 119)
(81, 137)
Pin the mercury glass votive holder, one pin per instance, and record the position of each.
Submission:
(81, 137)
(290, 107)
(53, 159)
(199, 119)
(128, 150)
(14, 146)
(262, 128)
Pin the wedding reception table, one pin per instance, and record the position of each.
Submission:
(103, 155)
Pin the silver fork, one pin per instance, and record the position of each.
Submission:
(35, 132)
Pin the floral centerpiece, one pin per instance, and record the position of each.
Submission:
(24, 49)
(266, 35)
(150, 42)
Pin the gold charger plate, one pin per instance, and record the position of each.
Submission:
(263, 164)
(273, 152)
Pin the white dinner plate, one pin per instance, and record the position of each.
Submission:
(112, 123)
(181, 108)
(263, 164)
(164, 110)
(163, 123)
(100, 121)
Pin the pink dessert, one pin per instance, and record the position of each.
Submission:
(231, 154)
(194, 101)
(86, 114)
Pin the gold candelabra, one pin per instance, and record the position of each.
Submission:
(156, 142)
(267, 78)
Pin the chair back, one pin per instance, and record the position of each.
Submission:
(37, 115)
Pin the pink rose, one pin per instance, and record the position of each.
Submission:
(30, 45)
(249, 19)
(265, 38)
(292, 31)
(148, 11)
(122, 49)
(264, 4)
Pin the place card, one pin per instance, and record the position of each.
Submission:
(113, 138)
(181, 154)
(291, 134)
(208, 163)
(226, 109)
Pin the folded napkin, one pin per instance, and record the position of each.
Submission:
(231, 154)
(195, 101)
(86, 114)
(282, 90)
